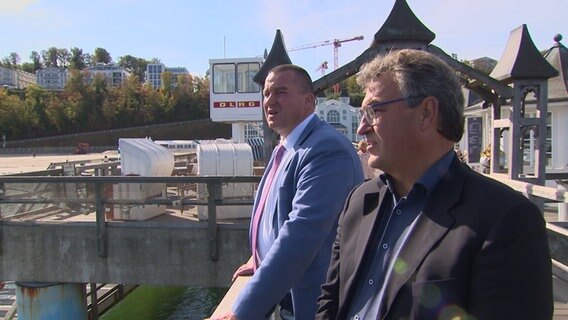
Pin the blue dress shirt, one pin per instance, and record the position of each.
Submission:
(392, 230)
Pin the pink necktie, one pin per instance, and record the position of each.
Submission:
(260, 206)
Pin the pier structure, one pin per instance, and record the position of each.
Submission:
(58, 230)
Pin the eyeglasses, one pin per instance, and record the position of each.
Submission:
(368, 111)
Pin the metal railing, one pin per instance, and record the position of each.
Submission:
(96, 185)
(557, 235)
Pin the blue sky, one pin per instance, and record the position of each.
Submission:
(190, 32)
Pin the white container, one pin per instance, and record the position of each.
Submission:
(225, 158)
(141, 157)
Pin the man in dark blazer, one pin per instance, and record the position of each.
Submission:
(298, 218)
(431, 238)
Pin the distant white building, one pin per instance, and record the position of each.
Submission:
(114, 74)
(153, 74)
(15, 79)
(52, 78)
(340, 114)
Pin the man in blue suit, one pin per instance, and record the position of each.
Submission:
(297, 219)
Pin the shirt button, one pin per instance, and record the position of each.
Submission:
(398, 212)
(356, 317)
(385, 246)
(371, 282)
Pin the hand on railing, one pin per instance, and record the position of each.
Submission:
(228, 316)
(244, 270)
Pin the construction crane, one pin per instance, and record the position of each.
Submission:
(322, 68)
(336, 44)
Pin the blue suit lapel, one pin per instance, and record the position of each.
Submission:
(312, 124)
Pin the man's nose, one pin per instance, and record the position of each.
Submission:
(364, 127)
(268, 99)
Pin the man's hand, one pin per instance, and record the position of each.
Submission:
(228, 316)
(246, 269)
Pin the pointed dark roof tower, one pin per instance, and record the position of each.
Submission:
(522, 60)
(401, 26)
(557, 56)
(277, 56)
(402, 29)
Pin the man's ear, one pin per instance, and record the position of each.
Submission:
(310, 100)
(429, 112)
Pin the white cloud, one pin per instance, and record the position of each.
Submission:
(15, 7)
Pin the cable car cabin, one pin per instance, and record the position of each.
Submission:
(234, 96)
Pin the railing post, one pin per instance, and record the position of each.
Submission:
(101, 223)
(94, 302)
(2, 195)
(213, 191)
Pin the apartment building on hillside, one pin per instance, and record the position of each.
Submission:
(52, 78)
(114, 74)
(15, 78)
(153, 74)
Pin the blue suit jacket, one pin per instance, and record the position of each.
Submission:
(322, 171)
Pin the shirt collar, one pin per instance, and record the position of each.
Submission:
(291, 140)
(429, 179)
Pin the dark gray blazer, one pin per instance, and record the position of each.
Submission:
(478, 248)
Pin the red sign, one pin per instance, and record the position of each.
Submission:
(233, 104)
(224, 104)
(248, 104)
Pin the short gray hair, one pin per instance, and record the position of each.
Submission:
(420, 74)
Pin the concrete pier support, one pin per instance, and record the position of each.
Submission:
(51, 301)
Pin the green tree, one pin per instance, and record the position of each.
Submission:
(136, 65)
(36, 101)
(100, 92)
(79, 101)
(356, 93)
(183, 96)
(167, 83)
(101, 56)
(63, 57)
(77, 60)
(14, 58)
(129, 104)
(8, 115)
(57, 118)
(113, 106)
(17, 120)
(36, 61)
(11, 61)
(50, 57)
(28, 67)
(159, 106)
(201, 101)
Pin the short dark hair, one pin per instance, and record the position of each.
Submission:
(302, 75)
(421, 74)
